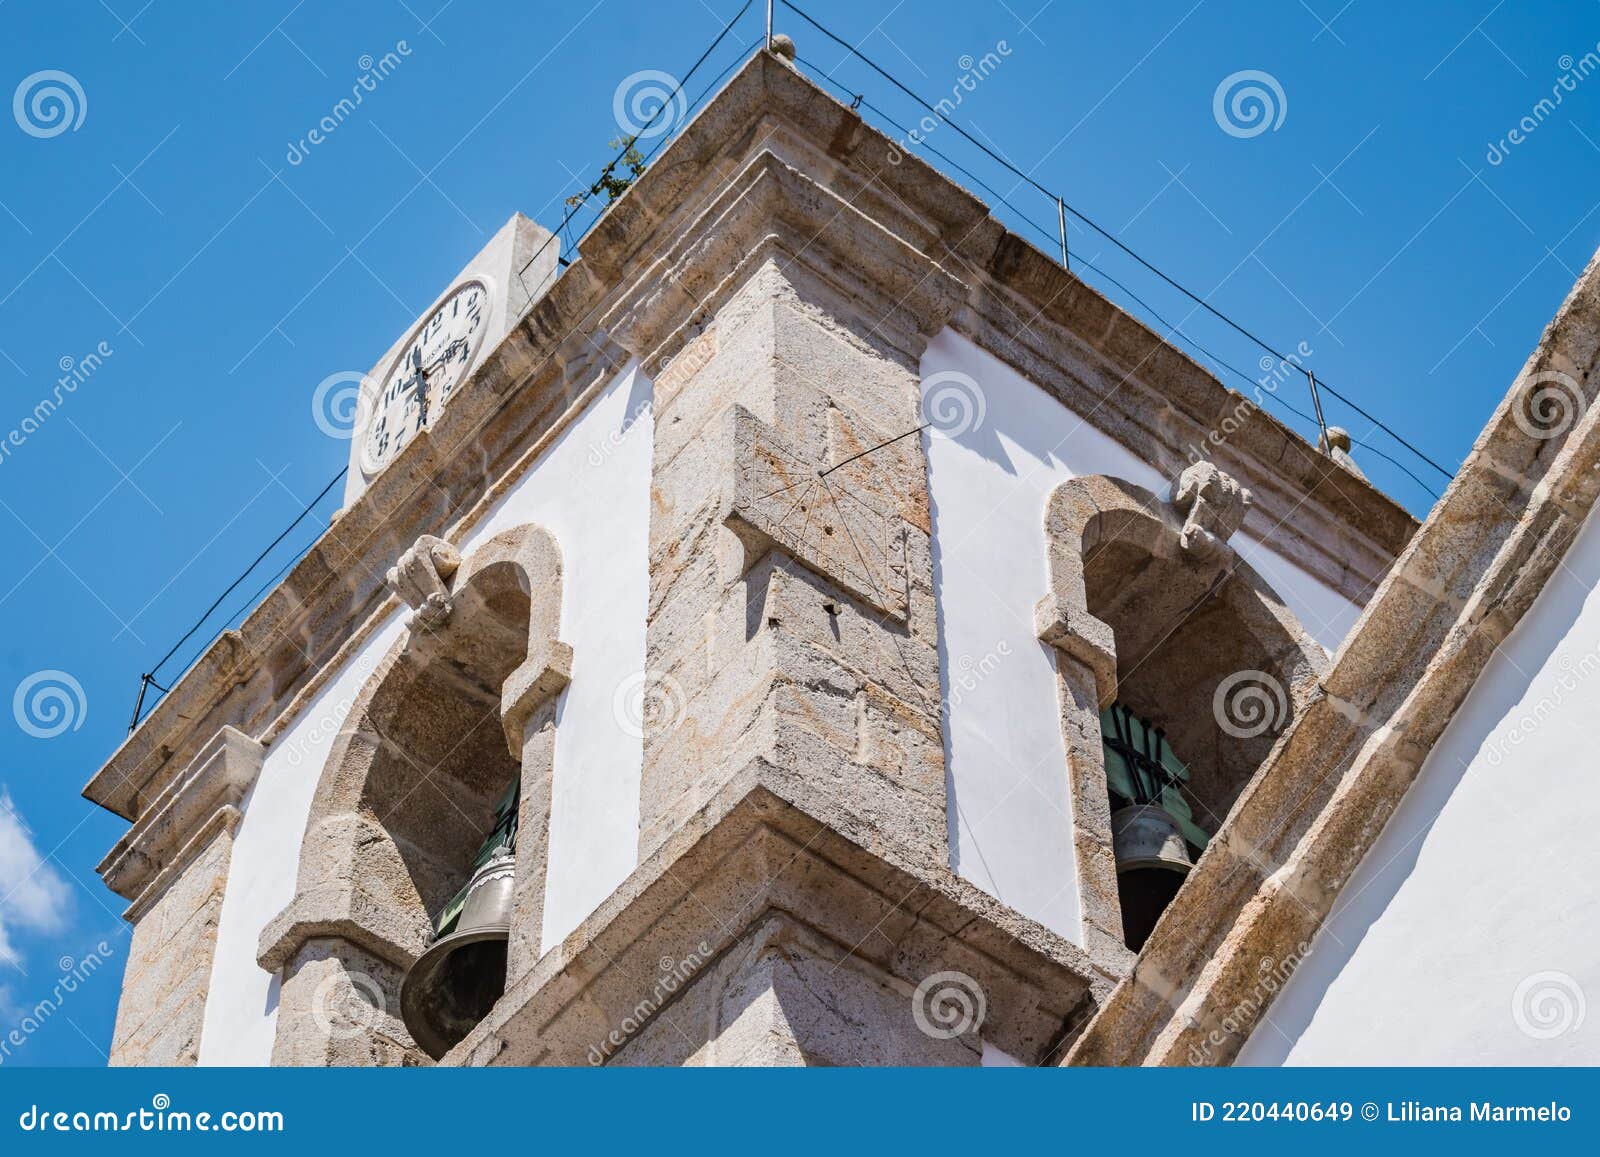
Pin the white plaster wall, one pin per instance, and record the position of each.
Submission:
(1009, 809)
(1470, 934)
(591, 490)
(242, 1005)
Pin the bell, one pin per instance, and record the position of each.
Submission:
(455, 983)
(1147, 836)
(1152, 861)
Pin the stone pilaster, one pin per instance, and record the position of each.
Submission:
(792, 631)
(173, 867)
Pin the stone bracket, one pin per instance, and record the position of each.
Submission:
(338, 913)
(422, 578)
(532, 685)
(778, 498)
(1213, 505)
(1080, 636)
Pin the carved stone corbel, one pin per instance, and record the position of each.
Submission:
(1213, 505)
(422, 578)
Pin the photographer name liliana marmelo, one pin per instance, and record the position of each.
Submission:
(1485, 1111)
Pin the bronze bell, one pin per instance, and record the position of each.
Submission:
(1152, 861)
(1146, 836)
(455, 983)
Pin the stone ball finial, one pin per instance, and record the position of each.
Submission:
(783, 46)
(1337, 438)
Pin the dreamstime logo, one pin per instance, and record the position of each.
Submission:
(1248, 103)
(673, 976)
(373, 73)
(74, 372)
(75, 973)
(953, 403)
(1274, 372)
(1249, 703)
(347, 1005)
(1549, 405)
(966, 673)
(948, 1004)
(1271, 976)
(973, 72)
(337, 403)
(1573, 73)
(641, 98)
(1547, 1005)
(48, 103)
(48, 703)
(648, 703)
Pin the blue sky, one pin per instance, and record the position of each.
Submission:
(1383, 218)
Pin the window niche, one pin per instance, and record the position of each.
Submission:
(1155, 618)
(454, 726)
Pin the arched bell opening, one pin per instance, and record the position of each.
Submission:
(444, 760)
(1207, 662)
(1177, 668)
(456, 789)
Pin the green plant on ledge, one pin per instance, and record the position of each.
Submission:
(609, 183)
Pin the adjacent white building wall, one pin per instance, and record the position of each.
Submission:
(1470, 934)
(1005, 762)
(591, 490)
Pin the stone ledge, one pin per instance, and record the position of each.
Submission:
(748, 853)
(214, 783)
(339, 912)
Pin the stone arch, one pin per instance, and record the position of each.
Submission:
(460, 706)
(1147, 603)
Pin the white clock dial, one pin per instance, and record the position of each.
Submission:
(432, 365)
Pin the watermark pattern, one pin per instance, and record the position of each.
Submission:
(48, 703)
(1250, 703)
(48, 103)
(973, 73)
(337, 404)
(672, 977)
(1248, 103)
(1272, 975)
(601, 451)
(1573, 673)
(1549, 405)
(953, 403)
(74, 974)
(649, 703)
(1548, 1004)
(1573, 73)
(642, 97)
(348, 1004)
(74, 372)
(1274, 372)
(966, 673)
(373, 73)
(948, 1004)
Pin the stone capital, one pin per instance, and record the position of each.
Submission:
(207, 794)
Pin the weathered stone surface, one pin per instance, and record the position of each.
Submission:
(706, 896)
(162, 1009)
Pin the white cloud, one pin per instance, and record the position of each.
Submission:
(33, 895)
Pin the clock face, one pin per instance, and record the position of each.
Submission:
(422, 378)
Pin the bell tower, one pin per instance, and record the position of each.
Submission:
(794, 634)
